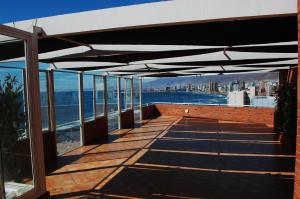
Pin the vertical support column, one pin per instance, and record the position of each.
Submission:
(94, 97)
(125, 92)
(132, 94)
(119, 101)
(81, 108)
(283, 77)
(2, 188)
(24, 96)
(297, 162)
(34, 113)
(105, 96)
(140, 94)
(51, 101)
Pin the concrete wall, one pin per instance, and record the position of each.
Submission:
(95, 130)
(238, 114)
(127, 119)
(50, 151)
(149, 112)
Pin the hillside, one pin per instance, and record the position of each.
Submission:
(173, 81)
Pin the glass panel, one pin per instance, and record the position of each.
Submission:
(128, 93)
(125, 94)
(100, 103)
(136, 99)
(15, 150)
(88, 93)
(66, 95)
(44, 101)
(112, 102)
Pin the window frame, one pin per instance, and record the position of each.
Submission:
(33, 110)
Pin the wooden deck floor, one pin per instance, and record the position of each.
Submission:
(171, 157)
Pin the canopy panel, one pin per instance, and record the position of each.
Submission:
(200, 38)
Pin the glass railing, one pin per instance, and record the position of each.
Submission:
(66, 102)
(137, 113)
(66, 94)
(113, 121)
(68, 137)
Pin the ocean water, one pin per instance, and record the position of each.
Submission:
(183, 97)
(67, 103)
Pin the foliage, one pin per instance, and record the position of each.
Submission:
(286, 109)
(12, 117)
(12, 123)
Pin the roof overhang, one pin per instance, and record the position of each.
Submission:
(155, 14)
(180, 37)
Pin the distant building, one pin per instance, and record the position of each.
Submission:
(251, 92)
(213, 87)
(238, 98)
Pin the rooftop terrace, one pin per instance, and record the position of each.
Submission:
(173, 157)
(75, 124)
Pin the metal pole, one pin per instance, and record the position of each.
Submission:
(81, 108)
(125, 93)
(132, 94)
(94, 97)
(51, 100)
(105, 96)
(140, 92)
(47, 93)
(25, 98)
(119, 100)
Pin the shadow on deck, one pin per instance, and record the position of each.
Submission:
(169, 157)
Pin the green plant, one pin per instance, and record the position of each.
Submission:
(12, 123)
(286, 109)
(12, 117)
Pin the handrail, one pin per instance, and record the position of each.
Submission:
(201, 104)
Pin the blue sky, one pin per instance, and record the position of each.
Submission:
(16, 10)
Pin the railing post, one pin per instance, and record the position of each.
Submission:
(94, 97)
(24, 71)
(124, 92)
(105, 96)
(81, 108)
(141, 105)
(119, 101)
(132, 94)
(51, 101)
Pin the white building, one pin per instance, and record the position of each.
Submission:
(238, 98)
